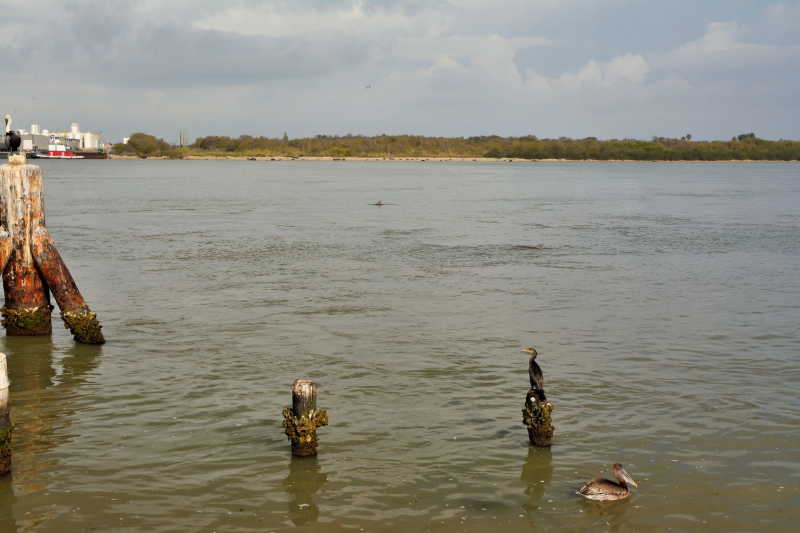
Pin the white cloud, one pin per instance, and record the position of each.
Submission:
(718, 36)
(621, 69)
(721, 48)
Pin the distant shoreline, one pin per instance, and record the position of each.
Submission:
(434, 159)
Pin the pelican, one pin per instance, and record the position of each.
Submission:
(13, 140)
(535, 373)
(380, 202)
(602, 489)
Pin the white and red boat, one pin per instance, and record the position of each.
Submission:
(59, 151)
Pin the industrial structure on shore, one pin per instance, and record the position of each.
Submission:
(39, 141)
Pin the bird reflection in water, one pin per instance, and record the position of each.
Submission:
(537, 472)
(304, 479)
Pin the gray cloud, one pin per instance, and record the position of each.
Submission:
(621, 69)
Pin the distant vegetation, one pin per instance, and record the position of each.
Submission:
(142, 145)
(743, 147)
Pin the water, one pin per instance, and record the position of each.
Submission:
(664, 308)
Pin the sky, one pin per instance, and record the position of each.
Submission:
(574, 68)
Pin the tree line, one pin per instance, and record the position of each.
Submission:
(743, 147)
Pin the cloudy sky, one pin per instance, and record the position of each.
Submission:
(577, 68)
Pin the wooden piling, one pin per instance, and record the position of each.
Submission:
(27, 307)
(5, 421)
(302, 420)
(536, 413)
(77, 316)
(30, 255)
(536, 416)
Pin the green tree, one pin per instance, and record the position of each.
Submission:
(285, 136)
(688, 136)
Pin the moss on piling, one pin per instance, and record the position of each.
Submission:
(83, 325)
(303, 431)
(5, 446)
(32, 321)
(536, 416)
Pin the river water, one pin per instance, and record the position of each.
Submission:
(664, 307)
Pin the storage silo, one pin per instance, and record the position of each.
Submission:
(88, 140)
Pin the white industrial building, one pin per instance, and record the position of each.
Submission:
(74, 139)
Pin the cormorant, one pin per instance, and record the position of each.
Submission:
(602, 489)
(13, 140)
(535, 373)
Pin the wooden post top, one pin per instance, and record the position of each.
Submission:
(17, 159)
(304, 397)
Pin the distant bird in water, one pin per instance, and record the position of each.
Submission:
(537, 247)
(380, 202)
(535, 373)
(13, 140)
(602, 489)
(368, 87)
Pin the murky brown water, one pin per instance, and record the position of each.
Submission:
(664, 306)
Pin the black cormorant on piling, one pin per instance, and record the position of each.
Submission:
(13, 140)
(602, 489)
(535, 373)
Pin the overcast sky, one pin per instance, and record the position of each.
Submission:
(609, 69)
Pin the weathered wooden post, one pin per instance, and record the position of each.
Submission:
(5, 421)
(31, 265)
(536, 413)
(303, 419)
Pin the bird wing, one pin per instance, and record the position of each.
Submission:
(535, 373)
(601, 485)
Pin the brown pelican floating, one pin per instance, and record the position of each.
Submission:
(380, 202)
(537, 247)
(535, 373)
(602, 489)
(13, 140)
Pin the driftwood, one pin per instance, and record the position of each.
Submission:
(302, 420)
(5, 421)
(31, 264)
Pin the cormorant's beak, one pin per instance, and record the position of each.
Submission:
(628, 478)
(529, 351)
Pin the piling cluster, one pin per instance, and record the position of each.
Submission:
(31, 265)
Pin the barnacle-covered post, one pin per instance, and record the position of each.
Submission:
(536, 413)
(303, 419)
(5, 422)
(536, 416)
(31, 265)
